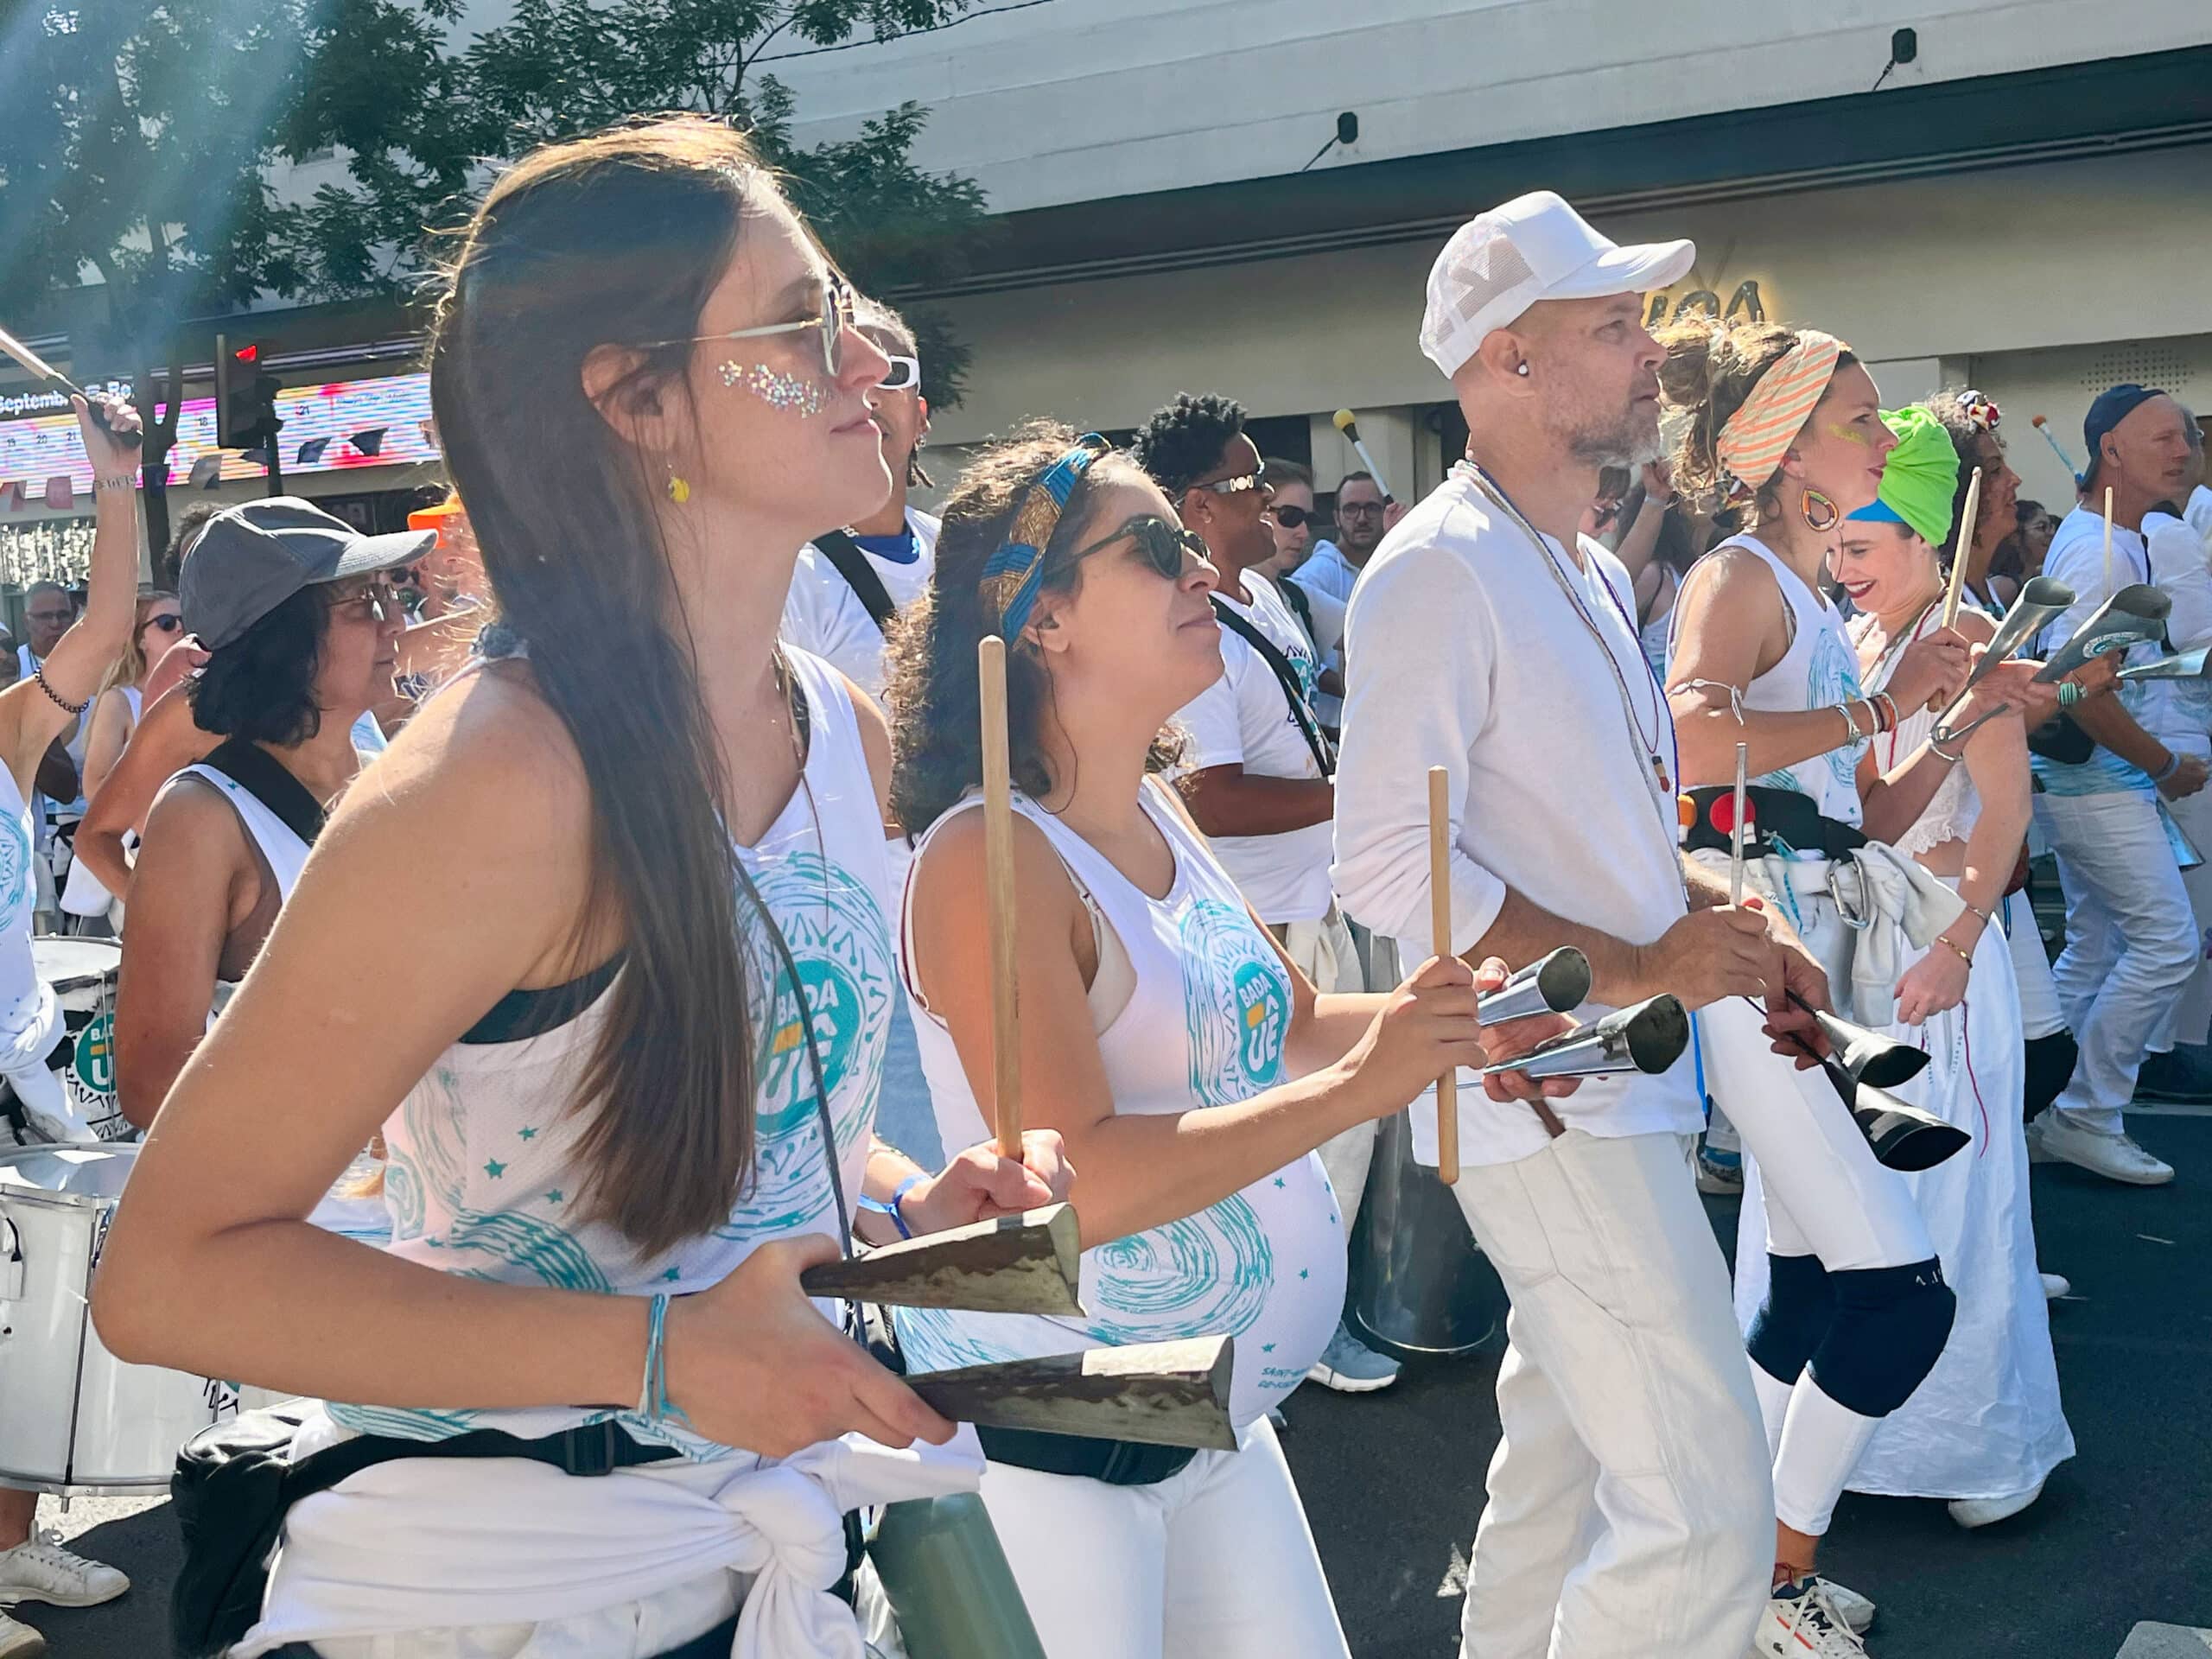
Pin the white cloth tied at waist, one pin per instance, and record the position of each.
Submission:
(428, 1543)
(1887, 899)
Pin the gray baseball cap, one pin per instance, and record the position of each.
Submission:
(248, 560)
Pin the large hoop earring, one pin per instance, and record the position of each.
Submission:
(1814, 501)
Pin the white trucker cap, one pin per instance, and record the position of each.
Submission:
(1535, 247)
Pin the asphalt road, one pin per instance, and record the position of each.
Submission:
(1393, 1482)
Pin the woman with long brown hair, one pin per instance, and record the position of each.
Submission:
(606, 954)
(1192, 1069)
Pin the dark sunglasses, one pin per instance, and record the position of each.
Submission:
(167, 622)
(1292, 518)
(1163, 544)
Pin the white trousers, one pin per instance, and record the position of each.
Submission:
(2040, 1014)
(2131, 942)
(1824, 1194)
(1325, 953)
(1214, 1562)
(2188, 1017)
(1987, 1423)
(1630, 1513)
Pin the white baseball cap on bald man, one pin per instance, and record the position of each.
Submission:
(1534, 247)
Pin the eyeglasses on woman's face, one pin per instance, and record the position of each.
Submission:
(367, 601)
(835, 318)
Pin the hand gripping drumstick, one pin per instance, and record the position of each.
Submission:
(1439, 923)
(45, 370)
(1963, 549)
(1345, 425)
(998, 885)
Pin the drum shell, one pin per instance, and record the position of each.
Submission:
(1421, 1284)
(77, 1419)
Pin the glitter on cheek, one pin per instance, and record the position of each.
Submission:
(794, 394)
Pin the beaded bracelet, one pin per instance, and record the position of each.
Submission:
(60, 702)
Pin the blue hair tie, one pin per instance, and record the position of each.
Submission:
(1013, 576)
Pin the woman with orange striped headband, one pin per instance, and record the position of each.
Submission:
(1782, 428)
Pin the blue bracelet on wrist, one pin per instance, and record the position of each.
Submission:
(897, 1216)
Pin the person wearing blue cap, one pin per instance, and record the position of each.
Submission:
(2131, 937)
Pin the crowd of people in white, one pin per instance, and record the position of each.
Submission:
(695, 984)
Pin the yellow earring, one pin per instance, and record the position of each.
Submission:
(679, 488)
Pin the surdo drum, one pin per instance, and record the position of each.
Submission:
(77, 1419)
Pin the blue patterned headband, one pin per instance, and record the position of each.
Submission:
(1013, 574)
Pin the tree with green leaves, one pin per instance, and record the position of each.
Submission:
(136, 164)
(139, 169)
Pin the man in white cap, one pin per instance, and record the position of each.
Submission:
(1631, 1508)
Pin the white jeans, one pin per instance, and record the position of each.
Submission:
(1214, 1562)
(1629, 1512)
(1325, 953)
(2131, 942)
(2188, 1017)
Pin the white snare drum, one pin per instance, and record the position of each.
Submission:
(83, 973)
(77, 1419)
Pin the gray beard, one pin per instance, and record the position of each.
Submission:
(1623, 446)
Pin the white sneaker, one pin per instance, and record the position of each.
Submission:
(1856, 1612)
(2055, 1285)
(2115, 1157)
(1972, 1512)
(42, 1570)
(1801, 1624)
(19, 1641)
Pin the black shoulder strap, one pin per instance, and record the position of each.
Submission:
(254, 770)
(841, 550)
(1294, 596)
(1293, 692)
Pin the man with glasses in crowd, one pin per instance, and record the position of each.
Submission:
(1258, 767)
(1335, 566)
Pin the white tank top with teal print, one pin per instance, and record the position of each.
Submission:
(483, 1177)
(1819, 670)
(1203, 1025)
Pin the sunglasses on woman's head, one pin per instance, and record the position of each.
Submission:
(1292, 518)
(1163, 544)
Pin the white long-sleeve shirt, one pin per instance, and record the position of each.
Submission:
(1466, 652)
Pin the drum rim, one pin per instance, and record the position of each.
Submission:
(18, 1192)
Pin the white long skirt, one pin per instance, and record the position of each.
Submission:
(1987, 1421)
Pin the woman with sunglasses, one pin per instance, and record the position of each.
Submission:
(287, 676)
(122, 699)
(621, 897)
(115, 716)
(1190, 1069)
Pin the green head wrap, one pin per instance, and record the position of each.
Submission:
(1920, 480)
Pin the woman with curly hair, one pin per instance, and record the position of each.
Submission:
(1784, 425)
(1190, 1069)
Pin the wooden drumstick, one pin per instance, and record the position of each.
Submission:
(2107, 541)
(1440, 922)
(1963, 549)
(1735, 829)
(998, 894)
